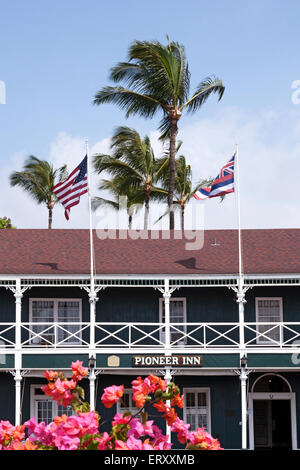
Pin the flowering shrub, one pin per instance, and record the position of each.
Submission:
(130, 431)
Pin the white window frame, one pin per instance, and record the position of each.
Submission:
(262, 339)
(55, 301)
(35, 398)
(161, 305)
(132, 408)
(197, 390)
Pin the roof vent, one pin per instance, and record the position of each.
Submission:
(215, 243)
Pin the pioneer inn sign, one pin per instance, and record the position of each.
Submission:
(231, 343)
(168, 361)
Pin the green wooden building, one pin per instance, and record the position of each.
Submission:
(176, 307)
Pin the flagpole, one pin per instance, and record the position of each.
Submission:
(90, 216)
(241, 302)
(239, 213)
(92, 292)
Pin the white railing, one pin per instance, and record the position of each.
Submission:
(130, 335)
(7, 335)
(277, 334)
(46, 334)
(122, 335)
(152, 335)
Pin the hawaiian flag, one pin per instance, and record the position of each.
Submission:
(68, 192)
(222, 184)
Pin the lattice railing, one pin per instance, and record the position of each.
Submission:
(201, 335)
(47, 334)
(277, 334)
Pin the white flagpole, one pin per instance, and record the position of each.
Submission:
(241, 301)
(90, 215)
(92, 292)
(239, 212)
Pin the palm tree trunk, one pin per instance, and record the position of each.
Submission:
(130, 221)
(182, 218)
(50, 218)
(174, 129)
(146, 213)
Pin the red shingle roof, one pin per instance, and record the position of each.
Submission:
(63, 252)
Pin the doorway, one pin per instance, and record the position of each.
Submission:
(272, 414)
(272, 424)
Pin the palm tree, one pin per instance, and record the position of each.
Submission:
(158, 79)
(38, 178)
(134, 197)
(134, 163)
(184, 189)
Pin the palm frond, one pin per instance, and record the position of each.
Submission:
(131, 101)
(208, 86)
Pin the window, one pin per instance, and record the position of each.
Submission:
(61, 311)
(268, 310)
(128, 403)
(177, 315)
(197, 408)
(44, 408)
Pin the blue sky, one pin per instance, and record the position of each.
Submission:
(56, 54)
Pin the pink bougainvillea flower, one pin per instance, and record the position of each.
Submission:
(120, 445)
(78, 370)
(181, 429)
(50, 375)
(178, 401)
(136, 428)
(160, 406)
(141, 389)
(111, 395)
(170, 416)
(103, 440)
(119, 418)
(17, 445)
(155, 383)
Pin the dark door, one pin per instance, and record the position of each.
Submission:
(272, 424)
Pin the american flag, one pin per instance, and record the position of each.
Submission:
(222, 184)
(68, 192)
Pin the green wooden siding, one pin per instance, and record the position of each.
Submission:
(142, 304)
(7, 397)
(53, 361)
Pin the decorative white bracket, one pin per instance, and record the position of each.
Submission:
(18, 292)
(21, 373)
(172, 372)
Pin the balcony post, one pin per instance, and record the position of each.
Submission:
(243, 379)
(93, 300)
(18, 294)
(167, 295)
(92, 379)
(18, 381)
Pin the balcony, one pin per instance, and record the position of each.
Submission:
(152, 336)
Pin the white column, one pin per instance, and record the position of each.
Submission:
(18, 300)
(243, 375)
(18, 381)
(243, 379)
(92, 379)
(167, 296)
(168, 378)
(18, 356)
